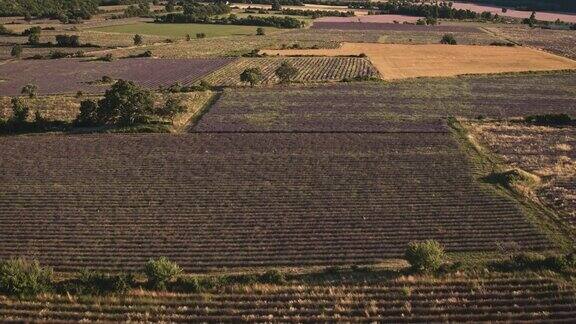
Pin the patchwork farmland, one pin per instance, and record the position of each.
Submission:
(318, 164)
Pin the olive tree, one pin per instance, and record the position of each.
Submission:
(252, 76)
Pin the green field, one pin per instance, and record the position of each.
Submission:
(181, 30)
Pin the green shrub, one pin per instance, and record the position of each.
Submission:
(21, 277)
(19, 111)
(272, 277)
(448, 39)
(97, 283)
(16, 51)
(425, 256)
(172, 107)
(160, 272)
(187, 284)
(138, 40)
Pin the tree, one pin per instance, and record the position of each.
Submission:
(19, 111)
(276, 6)
(170, 5)
(34, 39)
(286, 72)
(68, 40)
(125, 104)
(160, 272)
(425, 256)
(188, 37)
(16, 51)
(260, 31)
(251, 75)
(138, 40)
(29, 90)
(448, 39)
(171, 108)
(88, 115)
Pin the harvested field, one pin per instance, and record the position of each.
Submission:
(409, 105)
(310, 69)
(351, 25)
(238, 45)
(548, 152)
(389, 19)
(540, 15)
(396, 61)
(561, 42)
(504, 299)
(71, 75)
(239, 200)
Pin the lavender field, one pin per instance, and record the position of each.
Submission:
(72, 75)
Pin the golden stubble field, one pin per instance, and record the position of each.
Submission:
(396, 61)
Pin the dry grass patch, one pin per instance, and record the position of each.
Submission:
(395, 61)
(547, 152)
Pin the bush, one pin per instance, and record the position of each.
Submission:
(448, 39)
(160, 272)
(68, 40)
(107, 58)
(88, 115)
(29, 90)
(16, 51)
(171, 108)
(549, 120)
(19, 111)
(34, 39)
(286, 72)
(260, 31)
(252, 76)
(97, 283)
(537, 262)
(425, 256)
(272, 277)
(187, 284)
(24, 278)
(200, 35)
(138, 40)
(58, 55)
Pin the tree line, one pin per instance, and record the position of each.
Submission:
(58, 9)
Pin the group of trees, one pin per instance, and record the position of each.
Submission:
(125, 104)
(278, 22)
(64, 10)
(285, 72)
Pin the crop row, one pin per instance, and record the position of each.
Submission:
(310, 69)
(402, 301)
(235, 200)
(412, 105)
(72, 75)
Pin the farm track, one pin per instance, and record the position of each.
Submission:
(236, 200)
(494, 299)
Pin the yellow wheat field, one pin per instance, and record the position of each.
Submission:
(395, 61)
